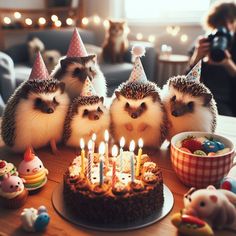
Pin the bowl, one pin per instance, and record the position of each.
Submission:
(201, 171)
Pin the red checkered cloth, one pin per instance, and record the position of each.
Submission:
(199, 172)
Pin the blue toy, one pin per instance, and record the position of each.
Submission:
(229, 181)
(210, 146)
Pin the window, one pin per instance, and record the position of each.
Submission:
(165, 10)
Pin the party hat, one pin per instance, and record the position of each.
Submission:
(195, 73)
(76, 47)
(39, 70)
(138, 74)
(88, 89)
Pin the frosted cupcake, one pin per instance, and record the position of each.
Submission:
(5, 168)
(33, 171)
(12, 191)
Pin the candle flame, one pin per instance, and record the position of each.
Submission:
(106, 135)
(102, 148)
(114, 151)
(82, 143)
(94, 136)
(90, 144)
(132, 146)
(140, 143)
(122, 142)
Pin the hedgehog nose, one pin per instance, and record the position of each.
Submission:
(96, 117)
(50, 110)
(134, 115)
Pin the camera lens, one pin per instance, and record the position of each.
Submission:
(218, 47)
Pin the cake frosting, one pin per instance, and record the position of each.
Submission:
(6, 167)
(118, 199)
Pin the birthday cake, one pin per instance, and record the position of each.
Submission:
(118, 196)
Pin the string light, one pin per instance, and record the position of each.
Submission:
(184, 38)
(28, 21)
(7, 20)
(173, 30)
(69, 21)
(106, 24)
(85, 21)
(54, 18)
(58, 23)
(17, 15)
(151, 38)
(42, 21)
(96, 19)
(139, 36)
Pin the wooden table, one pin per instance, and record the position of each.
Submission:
(10, 220)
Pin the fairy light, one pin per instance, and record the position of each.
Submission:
(96, 19)
(69, 21)
(85, 21)
(139, 36)
(173, 30)
(17, 15)
(58, 23)
(28, 21)
(151, 38)
(42, 21)
(184, 38)
(54, 18)
(7, 20)
(106, 24)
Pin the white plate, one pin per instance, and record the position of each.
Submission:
(63, 211)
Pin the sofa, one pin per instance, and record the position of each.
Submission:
(60, 39)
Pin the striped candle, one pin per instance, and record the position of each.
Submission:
(114, 153)
(90, 159)
(131, 149)
(82, 155)
(101, 153)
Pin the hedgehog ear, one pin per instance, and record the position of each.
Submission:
(101, 99)
(155, 96)
(93, 57)
(117, 93)
(62, 87)
(206, 98)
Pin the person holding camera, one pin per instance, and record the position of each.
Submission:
(218, 52)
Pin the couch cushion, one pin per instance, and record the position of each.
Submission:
(115, 74)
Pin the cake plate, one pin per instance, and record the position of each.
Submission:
(63, 211)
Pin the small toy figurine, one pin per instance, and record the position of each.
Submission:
(12, 191)
(5, 168)
(33, 171)
(215, 206)
(188, 102)
(76, 67)
(229, 181)
(35, 220)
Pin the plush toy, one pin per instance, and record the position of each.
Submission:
(229, 181)
(7, 167)
(215, 206)
(35, 220)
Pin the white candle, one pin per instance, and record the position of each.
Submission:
(82, 145)
(101, 154)
(131, 149)
(122, 144)
(93, 139)
(90, 158)
(114, 152)
(140, 144)
(106, 138)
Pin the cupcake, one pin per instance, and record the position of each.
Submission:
(12, 191)
(33, 171)
(6, 168)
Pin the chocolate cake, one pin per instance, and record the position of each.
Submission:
(119, 201)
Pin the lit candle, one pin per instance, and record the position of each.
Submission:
(131, 149)
(106, 138)
(101, 153)
(140, 144)
(82, 155)
(94, 139)
(90, 158)
(122, 144)
(114, 153)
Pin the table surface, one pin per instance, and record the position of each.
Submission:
(10, 219)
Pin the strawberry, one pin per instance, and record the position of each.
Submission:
(191, 144)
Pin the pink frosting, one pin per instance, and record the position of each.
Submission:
(11, 184)
(30, 167)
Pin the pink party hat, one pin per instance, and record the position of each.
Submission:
(138, 74)
(76, 47)
(39, 70)
(88, 89)
(195, 73)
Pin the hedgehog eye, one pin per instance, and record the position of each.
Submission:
(127, 105)
(190, 105)
(143, 105)
(173, 98)
(99, 109)
(38, 101)
(85, 112)
(202, 204)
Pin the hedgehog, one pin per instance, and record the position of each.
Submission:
(137, 112)
(86, 115)
(35, 114)
(74, 70)
(190, 106)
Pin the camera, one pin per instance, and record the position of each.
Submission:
(220, 40)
